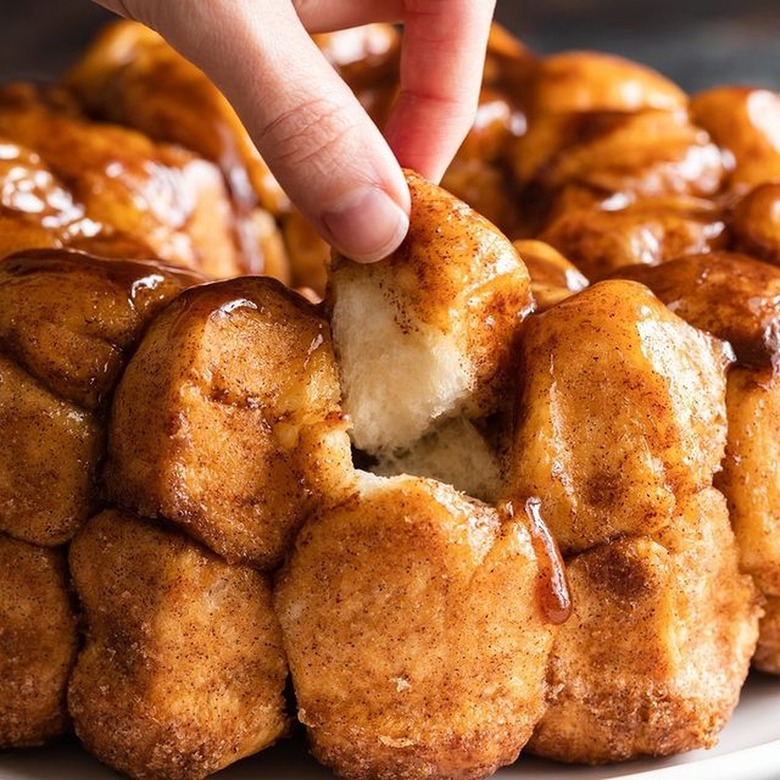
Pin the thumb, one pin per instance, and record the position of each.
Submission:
(320, 144)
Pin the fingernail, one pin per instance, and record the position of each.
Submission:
(367, 225)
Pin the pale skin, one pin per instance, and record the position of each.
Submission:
(333, 162)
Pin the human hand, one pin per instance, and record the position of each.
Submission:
(320, 144)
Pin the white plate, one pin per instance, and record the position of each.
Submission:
(749, 749)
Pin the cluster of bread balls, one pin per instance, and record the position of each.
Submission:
(516, 486)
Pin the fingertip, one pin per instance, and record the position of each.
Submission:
(367, 224)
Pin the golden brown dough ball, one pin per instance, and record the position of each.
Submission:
(183, 670)
(50, 452)
(649, 153)
(160, 196)
(227, 420)
(743, 121)
(622, 425)
(413, 623)
(427, 333)
(79, 350)
(767, 657)
(589, 81)
(755, 223)
(38, 211)
(131, 76)
(621, 413)
(658, 646)
(67, 324)
(751, 472)
(38, 643)
(728, 294)
(553, 277)
(647, 232)
(736, 298)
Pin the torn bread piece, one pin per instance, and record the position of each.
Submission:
(428, 332)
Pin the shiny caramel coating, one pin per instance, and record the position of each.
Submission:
(183, 670)
(131, 76)
(31, 190)
(227, 421)
(730, 295)
(621, 413)
(18, 233)
(646, 232)
(755, 223)
(553, 277)
(162, 196)
(750, 478)
(38, 211)
(645, 154)
(479, 174)
(589, 81)
(78, 350)
(50, 451)
(428, 332)
(659, 644)
(264, 232)
(38, 643)
(507, 62)
(767, 657)
(413, 628)
(744, 122)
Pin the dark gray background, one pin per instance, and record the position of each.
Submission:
(699, 43)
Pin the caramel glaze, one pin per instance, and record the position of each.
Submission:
(730, 295)
(552, 588)
(79, 350)
(96, 181)
(130, 76)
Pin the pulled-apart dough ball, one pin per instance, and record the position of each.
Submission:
(227, 419)
(455, 451)
(183, 670)
(38, 643)
(428, 332)
(415, 631)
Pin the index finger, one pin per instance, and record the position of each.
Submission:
(442, 60)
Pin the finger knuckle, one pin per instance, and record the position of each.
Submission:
(309, 133)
